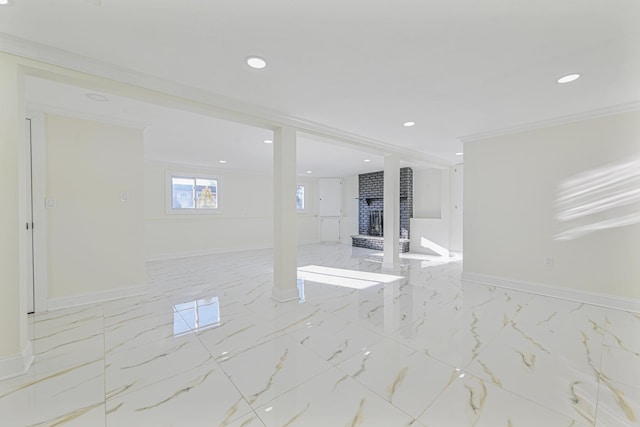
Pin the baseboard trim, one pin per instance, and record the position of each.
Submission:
(16, 364)
(586, 297)
(189, 254)
(285, 295)
(95, 297)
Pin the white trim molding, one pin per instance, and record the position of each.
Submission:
(586, 297)
(525, 127)
(189, 254)
(95, 297)
(222, 106)
(17, 364)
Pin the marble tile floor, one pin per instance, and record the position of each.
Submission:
(209, 347)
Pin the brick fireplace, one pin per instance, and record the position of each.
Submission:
(371, 208)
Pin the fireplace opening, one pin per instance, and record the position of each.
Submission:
(375, 223)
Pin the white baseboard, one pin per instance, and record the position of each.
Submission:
(593, 298)
(189, 254)
(16, 364)
(285, 295)
(95, 297)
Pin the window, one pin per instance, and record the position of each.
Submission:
(194, 193)
(300, 197)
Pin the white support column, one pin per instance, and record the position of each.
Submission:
(15, 348)
(285, 242)
(391, 225)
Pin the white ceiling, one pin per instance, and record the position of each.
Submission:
(456, 67)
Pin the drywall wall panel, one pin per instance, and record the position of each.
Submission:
(94, 191)
(557, 206)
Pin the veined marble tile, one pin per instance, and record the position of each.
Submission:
(137, 367)
(521, 366)
(572, 339)
(135, 308)
(457, 334)
(68, 352)
(622, 330)
(72, 394)
(471, 402)
(334, 338)
(237, 334)
(404, 377)
(621, 365)
(200, 397)
(332, 399)
(263, 372)
(618, 405)
(134, 332)
(74, 321)
(249, 420)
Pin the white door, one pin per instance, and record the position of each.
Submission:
(330, 229)
(330, 195)
(28, 226)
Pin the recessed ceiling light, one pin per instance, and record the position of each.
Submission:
(367, 160)
(3, 2)
(95, 96)
(309, 172)
(223, 161)
(459, 154)
(268, 141)
(255, 62)
(569, 78)
(408, 124)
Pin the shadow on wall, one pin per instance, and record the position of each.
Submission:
(599, 199)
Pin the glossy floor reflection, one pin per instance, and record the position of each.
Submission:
(209, 347)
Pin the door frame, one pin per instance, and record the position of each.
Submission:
(38, 188)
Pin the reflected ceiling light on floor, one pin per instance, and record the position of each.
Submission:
(309, 172)
(4, 2)
(569, 78)
(408, 124)
(268, 141)
(95, 96)
(459, 154)
(367, 160)
(223, 161)
(255, 62)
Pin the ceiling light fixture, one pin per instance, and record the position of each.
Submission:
(223, 161)
(268, 141)
(569, 78)
(255, 62)
(408, 124)
(4, 2)
(95, 96)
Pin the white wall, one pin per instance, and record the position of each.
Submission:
(94, 240)
(456, 209)
(245, 219)
(511, 188)
(428, 193)
(350, 213)
(430, 226)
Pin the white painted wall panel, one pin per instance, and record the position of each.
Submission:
(512, 188)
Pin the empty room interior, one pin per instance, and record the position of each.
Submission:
(267, 214)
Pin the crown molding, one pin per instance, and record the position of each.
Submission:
(184, 97)
(572, 118)
(35, 108)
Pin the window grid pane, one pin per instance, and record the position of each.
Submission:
(300, 197)
(194, 193)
